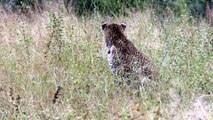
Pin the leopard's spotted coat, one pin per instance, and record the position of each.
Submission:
(124, 58)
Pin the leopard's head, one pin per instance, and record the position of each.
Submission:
(113, 33)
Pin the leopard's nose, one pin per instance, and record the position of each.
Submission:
(108, 52)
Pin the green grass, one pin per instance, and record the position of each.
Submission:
(55, 49)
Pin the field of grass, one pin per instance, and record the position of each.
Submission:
(54, 66)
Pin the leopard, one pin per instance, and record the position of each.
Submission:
(124, 58)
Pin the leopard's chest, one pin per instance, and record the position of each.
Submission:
(119, 63)
(112, 58)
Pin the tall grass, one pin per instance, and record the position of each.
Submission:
(55, 50)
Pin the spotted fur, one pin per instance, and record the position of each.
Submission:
(124, 58)
(112, 58)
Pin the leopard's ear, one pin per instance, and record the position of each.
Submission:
(123, 26)
(104, 25)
